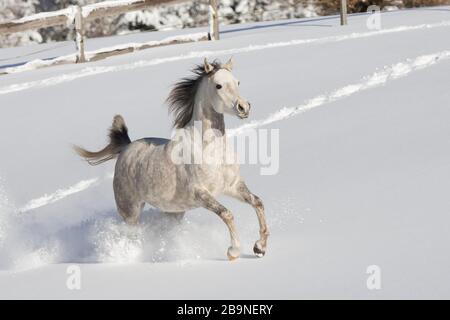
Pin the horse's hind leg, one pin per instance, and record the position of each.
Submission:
(130, 211)
(207, 201)
(128, 205)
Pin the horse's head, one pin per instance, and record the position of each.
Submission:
(223, 90)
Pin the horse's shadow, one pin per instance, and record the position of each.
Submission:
(242, 256)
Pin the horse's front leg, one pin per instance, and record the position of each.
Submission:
(207, 201)
(241, 192)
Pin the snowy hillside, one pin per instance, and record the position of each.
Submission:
(363, 179)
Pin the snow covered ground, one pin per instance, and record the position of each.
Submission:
(363, 180)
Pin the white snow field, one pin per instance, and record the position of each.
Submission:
(364, 172)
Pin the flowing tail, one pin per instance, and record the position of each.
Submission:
(118, 139)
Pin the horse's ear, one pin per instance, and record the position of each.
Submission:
(208, 67)
(229, 65)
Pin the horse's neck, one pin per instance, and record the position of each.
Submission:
(210, 125)
(209, 119)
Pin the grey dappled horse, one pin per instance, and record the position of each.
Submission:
(146, 173)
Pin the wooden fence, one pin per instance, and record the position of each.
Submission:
(77, 16)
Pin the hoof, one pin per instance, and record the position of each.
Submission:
(231, 258)
(232, 253)
(258, 250)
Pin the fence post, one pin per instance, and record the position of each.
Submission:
(343, 12)
(79, 29)
(213, 20)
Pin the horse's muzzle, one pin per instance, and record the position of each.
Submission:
(243, 109)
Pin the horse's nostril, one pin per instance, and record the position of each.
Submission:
(241, 108)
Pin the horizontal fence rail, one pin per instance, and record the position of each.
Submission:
(37, 21)
(111, 8)
(67, 16)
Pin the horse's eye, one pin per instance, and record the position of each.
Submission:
(218, 86)
(239, 83)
